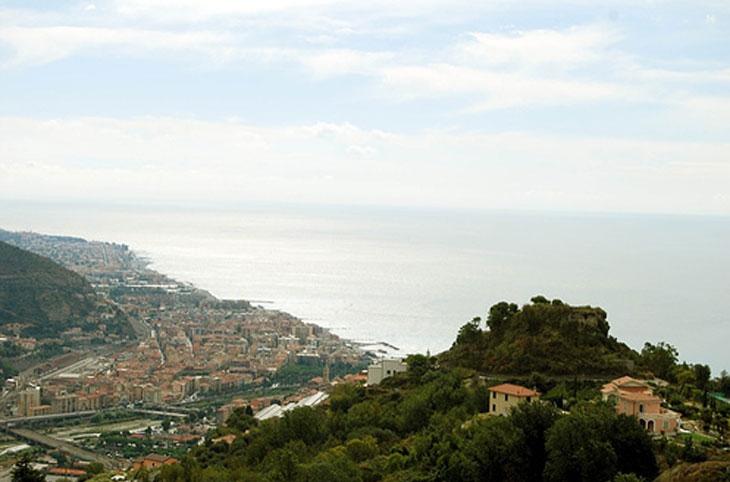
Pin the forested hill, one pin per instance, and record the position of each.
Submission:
(543, 337)
(44, 298)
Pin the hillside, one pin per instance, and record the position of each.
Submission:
(428, 424)
(545, 337)
(40, 298)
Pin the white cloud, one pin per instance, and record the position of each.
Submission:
(538, 47)
(39, 45)
(495, 90)
(482, 71)
(173, 158)
(334, 62)
(196, 9)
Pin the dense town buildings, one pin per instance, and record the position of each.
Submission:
(189, 344)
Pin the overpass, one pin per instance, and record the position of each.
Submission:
(159, 413)
(37, 418)
(62, 445)
(15, 421)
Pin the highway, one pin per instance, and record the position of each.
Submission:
(64, 446)
(20, 420)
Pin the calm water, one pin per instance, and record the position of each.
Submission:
(412, 277)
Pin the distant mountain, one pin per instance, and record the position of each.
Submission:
(544, 337)
(44, 299)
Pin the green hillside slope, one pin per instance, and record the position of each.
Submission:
(546, 337)
(46, 299)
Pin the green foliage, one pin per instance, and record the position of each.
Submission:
(702, 380)
(723, 383)
(23, 472)
(419, 365)
(534, 420)
(241, 420)
(95, 468)
(495, 450)
(427, 428)
(47, 297)
(429, 423)
(628, 478)
(660, 359)
(594, 443)
(542, 338)
(295, 374)
(344, 396)
(34, 289)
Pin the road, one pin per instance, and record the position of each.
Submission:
(18, 420)
(67, 447)
(159, 413)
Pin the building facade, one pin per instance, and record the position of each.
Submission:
(635, 398)
(28, 399)
(379, 371)
(504, 397)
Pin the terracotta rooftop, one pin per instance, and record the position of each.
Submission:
(157, 458)
(625, 381)
(65, 471)
(638, 396)
(515, 390)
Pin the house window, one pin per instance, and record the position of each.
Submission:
(641, 408)
(494, 394)
(494, 408)
(506, 397)
(665, 425)
(529, 399)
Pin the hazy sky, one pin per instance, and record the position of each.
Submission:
(529, 104)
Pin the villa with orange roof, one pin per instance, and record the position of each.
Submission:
(502, 398)
(635, 397)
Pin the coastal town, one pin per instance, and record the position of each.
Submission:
(168, 370)
(187, 349)
(193, 345)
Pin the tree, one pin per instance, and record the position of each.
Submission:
(239, 420)
(362, 449)
(702, 379)
(23, 472)
(419, 364)
(469, 333)
(534, 420)
(143, 475)
(500, 315)
(627, 478)
(578, 450)
(721, 424)
(95, 468)
(333, 464)
(593, 443)
(497, 450)
(723, 383)
(660, 359)
(344, 396)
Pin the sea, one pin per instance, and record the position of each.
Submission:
(411, 277)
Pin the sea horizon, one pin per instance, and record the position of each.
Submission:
(412, 276)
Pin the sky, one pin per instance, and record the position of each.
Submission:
(577, 105)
